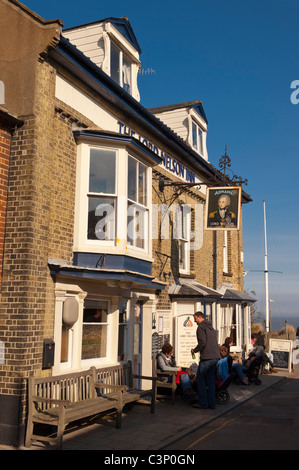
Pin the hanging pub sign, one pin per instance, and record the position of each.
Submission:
(223, 208)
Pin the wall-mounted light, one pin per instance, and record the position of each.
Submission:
(154, 320)
(169, 275)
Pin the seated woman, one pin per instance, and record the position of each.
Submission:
(166, 363)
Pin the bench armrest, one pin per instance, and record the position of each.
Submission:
(112, 387)
(144, 377)
(53, 401)
(166, 372)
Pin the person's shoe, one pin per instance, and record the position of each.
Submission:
(274, 370)
(199, 406)
(245, 383)
(190, 393)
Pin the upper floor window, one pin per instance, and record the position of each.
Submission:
(120, 68)
(184, 238)
(137, 204)
(226, 252)
(197, 138)
(113, 198)
(101, 195)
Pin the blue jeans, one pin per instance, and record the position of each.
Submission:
(238, 369)
(206, 373)
(185, 382)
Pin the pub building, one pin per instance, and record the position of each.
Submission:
(106, 250)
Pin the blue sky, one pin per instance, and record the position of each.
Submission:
(240, 59)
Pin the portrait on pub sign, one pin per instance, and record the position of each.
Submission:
(223, 208)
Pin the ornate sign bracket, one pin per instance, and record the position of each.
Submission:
(220, 177)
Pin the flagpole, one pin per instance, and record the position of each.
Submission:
(266, 274)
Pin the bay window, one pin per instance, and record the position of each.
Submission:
(112, 201)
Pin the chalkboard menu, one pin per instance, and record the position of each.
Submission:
(157, 342)
(281, 359)
(282, 353)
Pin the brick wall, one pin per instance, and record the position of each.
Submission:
(39, 226)
(4, 171)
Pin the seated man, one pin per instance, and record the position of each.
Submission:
(259, 351)
(165, 362)
(236, 367)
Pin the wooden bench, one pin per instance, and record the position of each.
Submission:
(60, 400)
(158, 383)
(123, 376)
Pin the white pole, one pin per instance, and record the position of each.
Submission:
(266, 275)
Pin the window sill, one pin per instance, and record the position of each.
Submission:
(187, 275)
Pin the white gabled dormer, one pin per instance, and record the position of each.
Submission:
(111, 44)
(188, 121)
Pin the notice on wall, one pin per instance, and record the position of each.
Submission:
(164, 322)
(185, 340)
(157, 342)
(282, 353)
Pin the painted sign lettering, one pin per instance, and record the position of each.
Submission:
(169, 163)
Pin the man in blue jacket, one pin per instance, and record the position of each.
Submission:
(209, 355)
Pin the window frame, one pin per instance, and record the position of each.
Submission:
(122, 57)
(135, 204)
(184, 234)
(103, 195)
(97, 360)
(124, 327)
(198, 145)
(225, 252)
(230, 311)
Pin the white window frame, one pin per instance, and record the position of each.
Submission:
(136, 206)
(225, 252)
(226, 313)
(184, 233)
(198, 145)
(121, 70)
(112, 224)
(97, 361)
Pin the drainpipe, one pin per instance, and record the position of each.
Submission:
(215, 260)
(215, 280)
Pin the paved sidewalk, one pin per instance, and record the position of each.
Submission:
(143, 431)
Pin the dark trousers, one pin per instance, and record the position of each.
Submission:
(206, 374)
